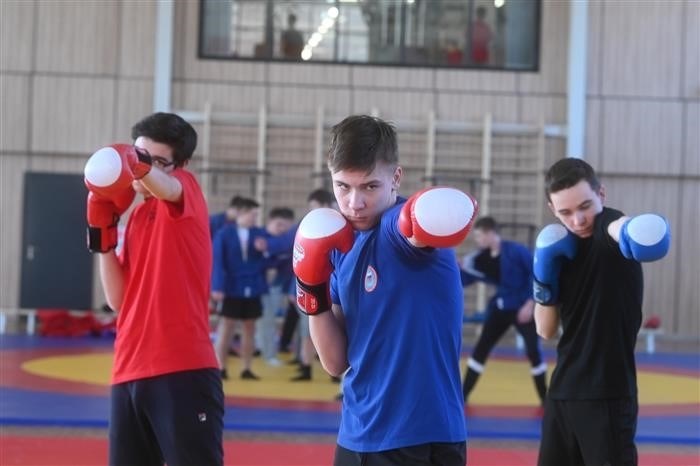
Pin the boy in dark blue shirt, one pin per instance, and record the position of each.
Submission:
(508, 266)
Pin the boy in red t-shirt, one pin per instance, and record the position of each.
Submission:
(167, 402)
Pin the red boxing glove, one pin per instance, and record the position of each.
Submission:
(440, 217)
(319, 233)
(114, 167)
(103, 217)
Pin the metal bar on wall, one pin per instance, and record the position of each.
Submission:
(430, 150)
(262, 158)
(541, 160)
(484, 201)
(206, 152)
(318, 148)
(486, 152)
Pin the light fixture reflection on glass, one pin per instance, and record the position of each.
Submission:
(499, 3)
(333, 12)
(306, 53)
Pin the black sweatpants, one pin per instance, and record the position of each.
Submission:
(496, 323)
(589, 432)
(427, 454)
(175, 418)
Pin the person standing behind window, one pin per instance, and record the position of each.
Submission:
(291, 42)
(480, 38)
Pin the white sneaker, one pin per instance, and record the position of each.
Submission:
(274, 362)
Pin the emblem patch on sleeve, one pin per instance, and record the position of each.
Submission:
(370, 279)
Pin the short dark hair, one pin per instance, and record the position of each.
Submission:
(169, 129)
(568, 172)
(246, 203)
(235, 201)
(322, 196)
(486, 224)
(281, 212)
(359, 142)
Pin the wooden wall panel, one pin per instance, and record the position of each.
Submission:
(691, 154)
(594, 47)
(386, 77)
(642, 48)
(12, 168)
(78, 36)
(308, 74)
(305, 100)
(661, 278)
(72, 114)
(134, 101)
(138, 38)
(594, 132)
(473, 107)
(691, 59)
(551, 110)
(483, 81)
(237, 98)
(554, 40)
(685, 238)
(642, 136)
(394, 105)
(16, 26)
(14, 112)
(52, 163)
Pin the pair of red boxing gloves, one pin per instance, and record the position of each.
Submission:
(109, 173)
(439, 217)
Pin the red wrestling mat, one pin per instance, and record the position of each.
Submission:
(88, 451)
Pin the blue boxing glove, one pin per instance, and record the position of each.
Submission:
(554, 244)
(645, 238)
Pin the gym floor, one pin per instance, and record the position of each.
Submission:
(54, 408)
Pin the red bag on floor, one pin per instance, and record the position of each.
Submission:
(63, 323)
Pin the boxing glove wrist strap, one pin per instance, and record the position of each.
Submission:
(313, 299)
(542, 293)
(101, 239)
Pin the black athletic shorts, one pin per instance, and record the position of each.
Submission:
(583, 432)
(177, 419)
(426, 454)
(242, 308)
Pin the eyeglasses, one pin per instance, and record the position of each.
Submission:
(162, 162)
(157, 160)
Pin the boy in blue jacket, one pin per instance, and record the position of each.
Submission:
(238, 281)
(508, 266)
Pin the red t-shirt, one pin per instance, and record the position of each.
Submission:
(163, 325)
(481, 36)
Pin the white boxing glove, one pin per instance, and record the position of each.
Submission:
(439, 217)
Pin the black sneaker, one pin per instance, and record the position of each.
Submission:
(335, 379)
(304, 374)
(224, 374)
(248, 375)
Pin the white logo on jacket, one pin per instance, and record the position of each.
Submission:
(370, 279)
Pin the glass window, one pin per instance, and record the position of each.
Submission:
(500, 34)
